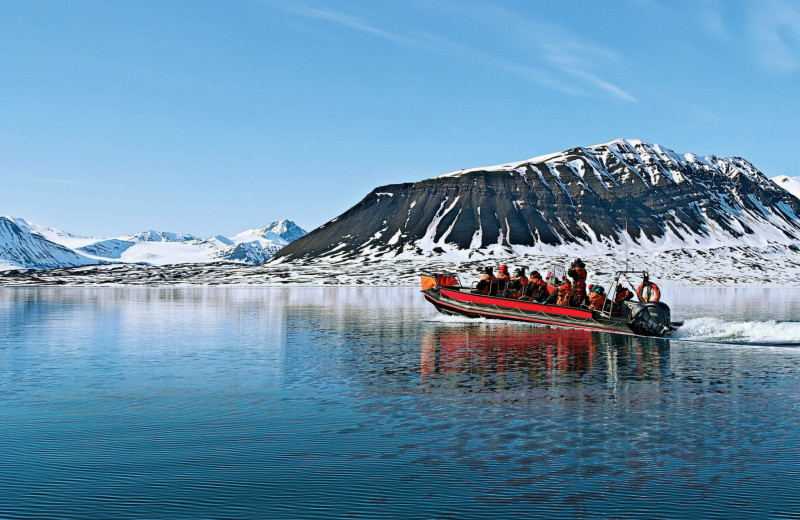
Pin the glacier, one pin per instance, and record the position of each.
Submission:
(25, 245)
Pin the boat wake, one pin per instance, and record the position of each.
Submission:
(461, 320)
(455, 320)
(715, 330)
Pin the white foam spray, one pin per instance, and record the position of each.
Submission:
(755, 332)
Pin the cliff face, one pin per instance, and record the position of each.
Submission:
(600, 197)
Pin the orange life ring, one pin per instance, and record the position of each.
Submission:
(652, 294)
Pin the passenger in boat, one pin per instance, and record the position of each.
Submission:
(553, 284)
(484, 285)
(503, 273)
(597, 297)
(621, 294)
(577, 272)
(536, 289)
(516, 286)
(503, 278)
(564, 293)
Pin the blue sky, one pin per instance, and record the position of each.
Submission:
(212, 117)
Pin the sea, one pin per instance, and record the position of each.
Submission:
(348, 402)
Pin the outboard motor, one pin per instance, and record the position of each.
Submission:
(650, 318)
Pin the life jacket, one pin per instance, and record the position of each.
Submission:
(622, 296)
(596, 301)
(489, 279)
(564, 292)
(533, 286)
(516, 286)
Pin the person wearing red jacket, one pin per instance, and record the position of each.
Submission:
(578, 274)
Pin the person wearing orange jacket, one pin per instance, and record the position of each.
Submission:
(596, 297)
(578, 274)
(564, 293)
(503, 278)
(537, 288)
(621, 294)
(502, 274)
(486, 281)
(517, 284)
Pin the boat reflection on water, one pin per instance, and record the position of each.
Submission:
(500, 355)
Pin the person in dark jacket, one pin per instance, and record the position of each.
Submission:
(552, 290)
(487, 280)
(537, 288)
(517, 284)
(502, 279)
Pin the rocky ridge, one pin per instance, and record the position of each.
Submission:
(622, 195)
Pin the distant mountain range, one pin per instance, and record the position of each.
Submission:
(626, 194)
(684, 218)
(30, 246)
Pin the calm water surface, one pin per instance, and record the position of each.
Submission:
(336, 403)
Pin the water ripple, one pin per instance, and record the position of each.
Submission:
(284, 403)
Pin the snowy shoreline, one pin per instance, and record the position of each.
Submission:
(773, 266)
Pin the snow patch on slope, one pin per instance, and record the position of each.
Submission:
(790, 184)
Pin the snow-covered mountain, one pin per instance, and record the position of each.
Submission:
(22, 245)
(282, 232)
(159, 236)
(626, 194)
(790, 184)
(286, 229)
(31, 246)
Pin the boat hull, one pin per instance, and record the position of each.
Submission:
(459, 302)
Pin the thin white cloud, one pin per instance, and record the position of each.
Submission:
(711, 21)
(52, 181)
(775, 30)
(695, 111)
(348, 21)
(650, 4)
(531, 73)
(559, 50)
(562, 67)
(601, 84)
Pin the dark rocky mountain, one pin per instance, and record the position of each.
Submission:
(626, 193)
